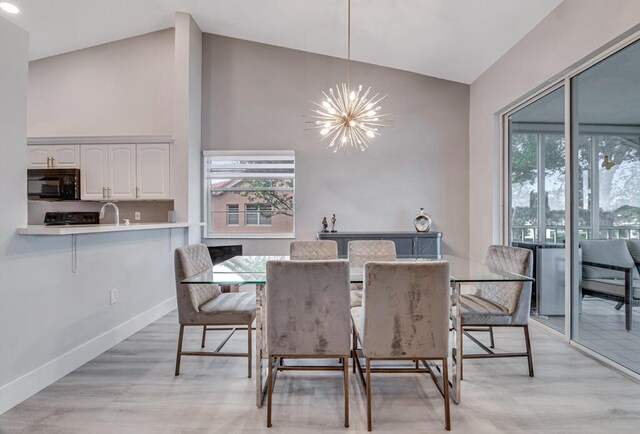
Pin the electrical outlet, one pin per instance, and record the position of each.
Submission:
(113, 295)
(136, 216)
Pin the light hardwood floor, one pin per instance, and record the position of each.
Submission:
(131, 389)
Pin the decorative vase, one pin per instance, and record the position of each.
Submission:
(422, 221)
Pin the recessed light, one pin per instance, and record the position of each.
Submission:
(9, 8)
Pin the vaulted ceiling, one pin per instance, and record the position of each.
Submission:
(451, 39)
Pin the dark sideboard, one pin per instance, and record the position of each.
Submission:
(408, 244)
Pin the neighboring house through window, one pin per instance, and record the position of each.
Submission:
(249, 194)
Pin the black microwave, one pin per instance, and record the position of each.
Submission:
(53, 184)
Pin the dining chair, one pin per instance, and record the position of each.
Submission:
(363, 251)
(204, 305)
(404, 317)
(307, 317)
(498, 304)
(313, 250)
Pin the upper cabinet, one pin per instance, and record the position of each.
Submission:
(125, 172)
(53, 156)
(122, 172)
(152, 171)
(94, 172)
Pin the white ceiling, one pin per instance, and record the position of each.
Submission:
(451, 39)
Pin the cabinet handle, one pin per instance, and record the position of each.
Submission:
(53, 162)
(48, 162)
(137, 192)
(108, 192)
(104, 192)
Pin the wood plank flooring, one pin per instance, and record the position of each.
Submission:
(131, 389)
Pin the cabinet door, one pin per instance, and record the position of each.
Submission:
(94, 167)
(38, 157)
(153, 171)
(66, 156)
(122, 172)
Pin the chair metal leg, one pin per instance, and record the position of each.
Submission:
(249, 351)
(355, 350)
(204, 335)
(493, 343)
(369, 424)
(460, 356)
(179, 352)
(529, 355)
(345, 367)
(269, 390)
(445, 381)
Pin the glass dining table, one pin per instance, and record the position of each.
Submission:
(245, 270)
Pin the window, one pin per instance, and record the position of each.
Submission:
(249, 194)
(258, 214)
(233, 214)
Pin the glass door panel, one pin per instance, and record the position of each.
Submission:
(537, 182)
(605, 113)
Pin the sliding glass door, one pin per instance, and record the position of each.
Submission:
(580, 199)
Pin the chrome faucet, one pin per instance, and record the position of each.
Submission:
(115, 207)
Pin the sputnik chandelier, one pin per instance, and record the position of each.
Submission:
(349, 118)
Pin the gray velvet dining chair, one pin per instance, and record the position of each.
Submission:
(498, 304)
(307, 317)
(404, 317)
(321, 250)
(363, 251)
(206, 307)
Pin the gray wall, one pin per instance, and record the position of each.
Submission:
(255, 97)
(575, 29)
(121, 88)
(54, 320)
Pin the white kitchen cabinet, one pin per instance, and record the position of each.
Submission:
(38, 157)
(125, 172)
(53, 156)
(152, 171)
(65, 156)
(94, 172)
(122, 172)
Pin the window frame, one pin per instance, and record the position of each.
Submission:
(283, 167)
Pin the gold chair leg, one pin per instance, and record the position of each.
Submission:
(529, 355)
(249, 350)
(345, 367)
(179, 352)
(204, 335)
(269, 390)
(369, 424)
(445, 381)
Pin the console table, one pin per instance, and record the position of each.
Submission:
(408, 244)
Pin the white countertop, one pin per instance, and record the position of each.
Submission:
(94, 229)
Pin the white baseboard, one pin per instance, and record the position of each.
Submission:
(13, 393)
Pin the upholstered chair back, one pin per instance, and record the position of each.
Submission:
(614, 252)
(514, 296)
(406, 309)
(363, 251)
(308, 307)
(634, 249)
(190, 260)
(321, 250)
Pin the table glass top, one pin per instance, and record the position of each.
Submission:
(252, 269)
